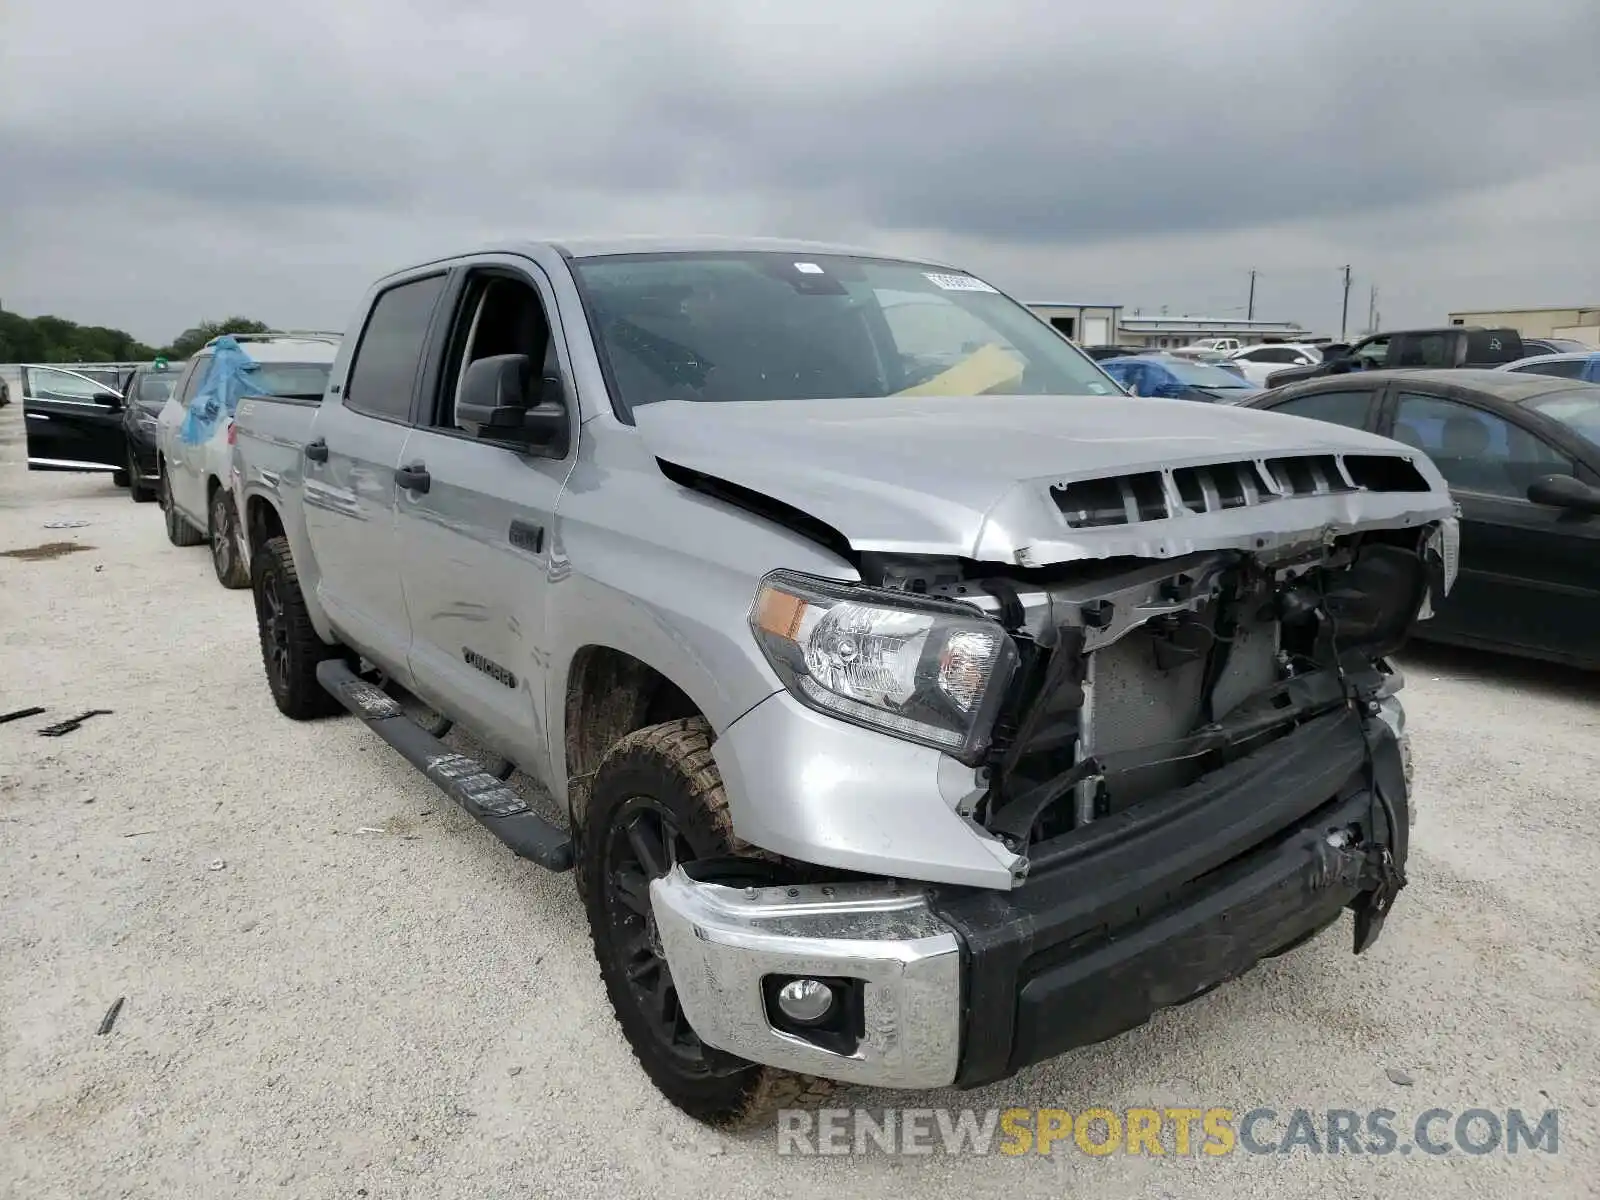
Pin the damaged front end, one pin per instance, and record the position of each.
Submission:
(1134, 679)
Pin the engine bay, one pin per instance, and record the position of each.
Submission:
(1136, 677)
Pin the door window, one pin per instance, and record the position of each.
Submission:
(1475, 450)
(384, 370)
(1349, 408)
(1372, 354)
(196, 377)
(499, 315)
(1423, 350)
(1562, 368)
(51, 383)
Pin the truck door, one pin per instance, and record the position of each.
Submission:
(350, 464)
(73, 422)
(476, 537)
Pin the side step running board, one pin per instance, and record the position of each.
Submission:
(494, 805)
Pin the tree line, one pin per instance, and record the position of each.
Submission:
(55, 339)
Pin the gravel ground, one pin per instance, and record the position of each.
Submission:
(316, 1009)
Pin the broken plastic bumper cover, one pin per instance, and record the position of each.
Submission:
(1141, 911)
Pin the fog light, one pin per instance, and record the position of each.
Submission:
(805, 1001)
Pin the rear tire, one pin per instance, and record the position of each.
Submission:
(223, 533)
(179, 531)
(290, 647)
(659, 788)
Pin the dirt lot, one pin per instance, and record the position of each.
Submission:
(337, 985)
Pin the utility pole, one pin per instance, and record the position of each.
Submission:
(1250, 311)
(1344, 314)
(1372, 310)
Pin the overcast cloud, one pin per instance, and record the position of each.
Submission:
(173, 160)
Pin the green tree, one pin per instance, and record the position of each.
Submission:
(190, 340)
(54, 339)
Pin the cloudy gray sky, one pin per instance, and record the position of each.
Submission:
(173, 160)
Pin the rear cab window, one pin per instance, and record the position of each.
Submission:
(383, 371)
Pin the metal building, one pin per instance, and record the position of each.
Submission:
(1086, 324)
(1580, 324)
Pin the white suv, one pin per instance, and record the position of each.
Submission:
(1258, 362)
(194, 434)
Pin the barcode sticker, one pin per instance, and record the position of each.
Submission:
(957, 283)
(808, 268)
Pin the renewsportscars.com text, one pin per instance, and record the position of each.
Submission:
(1205, 1132)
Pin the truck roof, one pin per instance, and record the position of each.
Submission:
(600, 247)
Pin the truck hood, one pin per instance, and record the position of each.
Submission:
(1034, 480)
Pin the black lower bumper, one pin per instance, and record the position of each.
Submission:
(1161, 902)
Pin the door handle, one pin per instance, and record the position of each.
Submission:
(317, 451)
(413, 477)
(525, 535)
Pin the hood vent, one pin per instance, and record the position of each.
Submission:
(1157, 495)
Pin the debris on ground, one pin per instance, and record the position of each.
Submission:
(72, 523)
(216, 865)
(18, 714)
(44, 551)
(1398, 1077)
(110, 1019)
(64, 727)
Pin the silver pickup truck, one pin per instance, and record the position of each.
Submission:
(912, 704)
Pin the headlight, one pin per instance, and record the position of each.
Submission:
(925, 670)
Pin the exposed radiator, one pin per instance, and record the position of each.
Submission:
(1132, 703)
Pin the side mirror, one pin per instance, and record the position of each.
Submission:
(498, 402)
(1565, 491)
(110, 399)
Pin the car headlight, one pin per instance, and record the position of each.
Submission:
(926, 670)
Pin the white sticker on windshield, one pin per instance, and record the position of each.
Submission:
(808, 268)
(957, 283)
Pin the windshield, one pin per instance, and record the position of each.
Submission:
(1578, 410)
(154, 388)
(769, 326)
(297, 381)
(1200, 375)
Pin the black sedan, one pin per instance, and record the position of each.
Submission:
(147, 393)
(1522, 456)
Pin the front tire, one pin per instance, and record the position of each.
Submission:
(290, 647)
(179, 531)
(222, 530)
(657, 799)
(142, 493)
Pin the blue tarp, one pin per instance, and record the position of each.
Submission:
(227, 379)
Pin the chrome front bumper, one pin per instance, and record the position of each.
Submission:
(720, 943)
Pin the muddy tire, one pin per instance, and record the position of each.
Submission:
(222, 530)
(179, 531)
(290, 647)
(656, 799)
